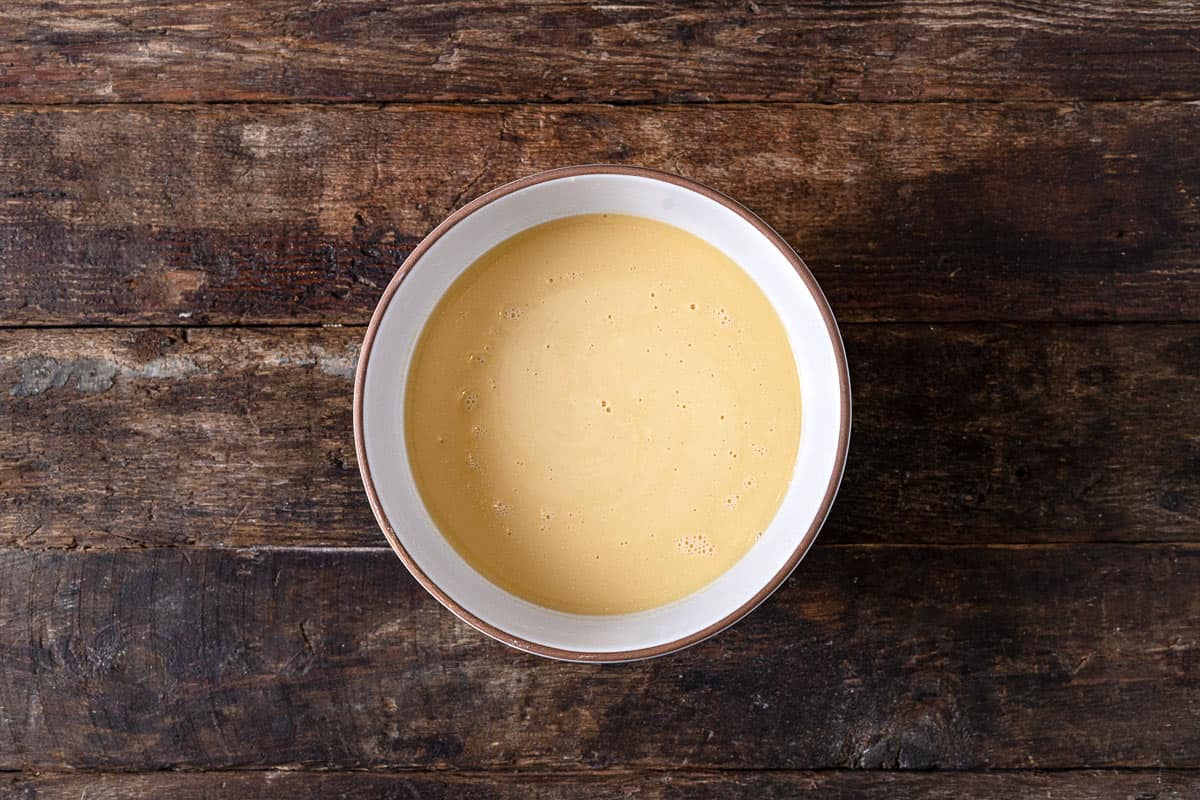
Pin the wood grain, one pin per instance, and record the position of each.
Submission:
(869, 657)
(256, 214)
(604, 785)
(503, 51)
(168, 437)
(234, 437)
(190, 578)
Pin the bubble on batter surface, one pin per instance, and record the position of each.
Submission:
(470, 400)
(472, 461)
(758, 449)
(749, 482)
(512, 313)
(723, 316)
(695, 544)
(732, 500)
(501, 508)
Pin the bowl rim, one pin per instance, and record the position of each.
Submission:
(802, 547)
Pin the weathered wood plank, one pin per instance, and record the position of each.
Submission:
(918, 213)
(900, 657)
(169, 437)
(499, 50)
(235, 437)
(604, 785)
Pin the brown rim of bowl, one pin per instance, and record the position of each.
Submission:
(801, 549)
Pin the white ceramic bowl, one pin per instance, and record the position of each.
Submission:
(410, 299)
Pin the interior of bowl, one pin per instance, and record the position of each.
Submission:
(819, 363)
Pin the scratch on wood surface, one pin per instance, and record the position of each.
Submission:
(236, 519)
(468, 187)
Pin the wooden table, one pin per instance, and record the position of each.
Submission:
(201, 201)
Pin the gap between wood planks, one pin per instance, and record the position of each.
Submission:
(1081, 784)
(569, 772)
(432, 105)
(197, 547)
(97, 327)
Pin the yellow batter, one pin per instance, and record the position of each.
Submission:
(603, 414)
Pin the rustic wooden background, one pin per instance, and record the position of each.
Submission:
(201, 201)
